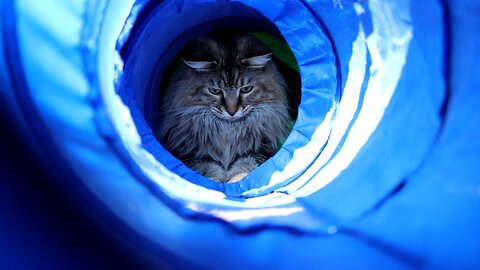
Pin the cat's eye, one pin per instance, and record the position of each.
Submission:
(246, 89)
(215, 91)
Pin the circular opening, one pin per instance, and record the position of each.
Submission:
(263, 115)
(161, 30)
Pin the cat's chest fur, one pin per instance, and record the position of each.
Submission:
(226, 142)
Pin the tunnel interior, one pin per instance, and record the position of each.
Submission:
(151, 43)
(380, 165)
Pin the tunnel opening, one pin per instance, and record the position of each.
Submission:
(284, 63)
(151, 43)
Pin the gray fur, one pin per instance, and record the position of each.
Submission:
(231, 128)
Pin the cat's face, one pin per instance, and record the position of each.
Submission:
(230, 76)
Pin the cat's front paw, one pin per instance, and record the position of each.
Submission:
(237, 177)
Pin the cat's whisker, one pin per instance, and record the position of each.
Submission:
(188, 118)
(275, 107)
(295, 104)
(183, 109)
(186, 111)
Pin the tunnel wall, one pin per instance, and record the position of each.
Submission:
(401, 189)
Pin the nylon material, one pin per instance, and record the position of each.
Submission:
(120, 117)
(278, 164)
(443, 190)
(386, 73)
(347, 108)
(77, 140)
(53, 27)
(313, 60)
(174, 186)
(45, 76)
(302, 157)
(135, 112)
(5, 85)
(269, 10)
(123, 117)
(287, 147)
(44, 125)
(260, 175)
(133, 146)
(142, 211)
(151, 144)
(128, 26)
(70, 77)
(144, 162)
(278, 218)
(135, 204)
(118, 71)
(142, 128)
(319, 95)
(95, 187)
(295, 138)
(304, 44)
(236, 189)
(320, 81)
(139, 210)
(342, 31)
(140, 58)
(309, 41)
(398, 147)
(286, 217)
(286, 21)
(238, 217)
(282, 157)
(172, 163)
(91, 33)
(311, 115)
(126, 91)
(466, 79)
(169, 182)
(272, 199)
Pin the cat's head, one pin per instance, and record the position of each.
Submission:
(232, 74)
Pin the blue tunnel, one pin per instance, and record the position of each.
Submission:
(381, 169)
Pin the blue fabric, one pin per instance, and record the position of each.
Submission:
(381, 169)
(314, 57)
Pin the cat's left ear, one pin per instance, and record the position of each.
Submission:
(201, 65)
(257, 61)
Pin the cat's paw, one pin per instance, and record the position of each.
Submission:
(237, 177)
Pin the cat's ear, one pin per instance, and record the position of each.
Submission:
(201, 65)
(257, 61)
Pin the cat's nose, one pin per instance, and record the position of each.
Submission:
(231, 109)
(231, 104)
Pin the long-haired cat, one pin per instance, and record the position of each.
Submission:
(225, 107)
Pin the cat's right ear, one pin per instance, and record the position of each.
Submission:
(257, 61)
(200, 65)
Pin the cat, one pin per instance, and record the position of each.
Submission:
(225, 106)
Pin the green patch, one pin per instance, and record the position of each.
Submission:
(281, 142)
(279, 48)
(282, 52)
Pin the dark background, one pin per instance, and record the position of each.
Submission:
(40, 226)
